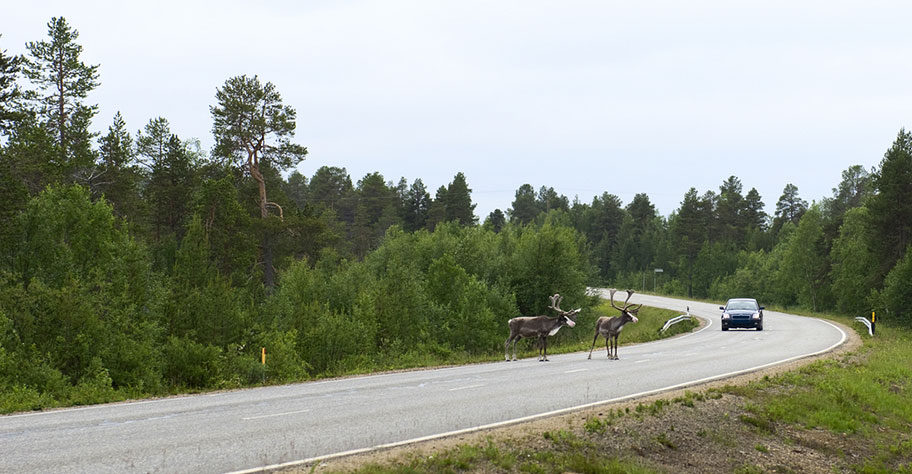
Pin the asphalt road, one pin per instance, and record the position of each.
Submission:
(246, 430)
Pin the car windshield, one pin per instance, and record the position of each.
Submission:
(741, 305)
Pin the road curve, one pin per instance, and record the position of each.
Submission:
(248, 430)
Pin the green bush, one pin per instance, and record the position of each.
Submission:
(187, 363)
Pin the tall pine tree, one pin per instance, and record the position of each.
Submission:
(253, 128)
(63, 84)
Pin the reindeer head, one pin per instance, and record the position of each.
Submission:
(629, 310)
(565, 316)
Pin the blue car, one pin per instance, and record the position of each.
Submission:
(742, 313)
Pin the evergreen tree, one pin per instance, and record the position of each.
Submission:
(252, 127)
(789, 208)
(636, 239)
(170, 187)
(331, 188)
(855, 187)
(459, 205)
(120, 178)
(496, 221)
(688, 233)
(548, 200)
(754, 214)
(731, 212)
(64, 82)
(601, 224)
(296, 188)
(10, 93)
(897, 293)
(524, 207)
(891, 207)
(416, 206)
(437, 209)
(375, 201)
(152, 145)
(708, 206)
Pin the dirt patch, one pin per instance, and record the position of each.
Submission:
(712, 435)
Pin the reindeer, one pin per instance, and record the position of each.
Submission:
(539, 327)
(611, 327)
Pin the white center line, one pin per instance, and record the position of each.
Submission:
(274, 414)
(575, 370)
(642, 360)
(464, 388)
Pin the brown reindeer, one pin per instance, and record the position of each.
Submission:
(539, 327)
(611, 327)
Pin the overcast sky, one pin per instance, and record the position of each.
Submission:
(587, 97)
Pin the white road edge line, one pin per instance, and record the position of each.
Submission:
(275, 414)
(498, 424)
(465, 388)
(575, 370)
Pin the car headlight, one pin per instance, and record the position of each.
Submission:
(725, 315)
(756, 315)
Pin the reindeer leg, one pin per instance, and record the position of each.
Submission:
(545, 348)
(593, 344)
(608, 345)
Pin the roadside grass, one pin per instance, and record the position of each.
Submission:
(561, 451)
(865, 396)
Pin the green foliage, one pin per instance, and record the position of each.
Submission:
(805, 265)
(190, 364)
(545, 261)
(891, 206)
(852, 274)
(897, 292)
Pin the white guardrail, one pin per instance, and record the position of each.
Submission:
(676, 320)
(869, 324)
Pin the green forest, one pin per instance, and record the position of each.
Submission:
(139, 264)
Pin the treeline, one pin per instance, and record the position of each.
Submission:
(138, 263)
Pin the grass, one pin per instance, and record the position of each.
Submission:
(865, 396)
(565, 452)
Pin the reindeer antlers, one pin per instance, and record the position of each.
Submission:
(555, 305)
(626, 307)
(555, 302)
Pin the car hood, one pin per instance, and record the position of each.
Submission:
(742, 312)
